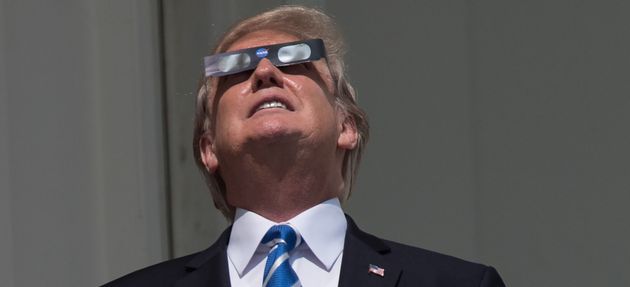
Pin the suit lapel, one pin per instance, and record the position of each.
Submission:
(361, 250)
(209, 268)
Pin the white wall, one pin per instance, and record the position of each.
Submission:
(81, 172)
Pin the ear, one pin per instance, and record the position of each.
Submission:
(208, 156)
(349, 137)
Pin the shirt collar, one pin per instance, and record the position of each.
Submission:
(323, 228)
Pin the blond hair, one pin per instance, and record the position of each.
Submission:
(303, 23)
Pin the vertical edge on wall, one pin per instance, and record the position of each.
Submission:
(165, 131)
(6, 220)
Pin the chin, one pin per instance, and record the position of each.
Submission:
(275, 130)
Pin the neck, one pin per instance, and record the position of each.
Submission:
(280, 183)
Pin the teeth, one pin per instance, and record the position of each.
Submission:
(273, 104)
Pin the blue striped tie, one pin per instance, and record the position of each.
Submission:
(278, 272)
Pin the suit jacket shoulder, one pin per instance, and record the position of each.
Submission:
(405, 265)
(161, 274)
(206, 268)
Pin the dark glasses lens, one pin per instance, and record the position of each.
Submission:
(231, 63)
(294, 53)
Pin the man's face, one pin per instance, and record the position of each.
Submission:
(271, 104)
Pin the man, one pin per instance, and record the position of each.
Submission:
(278, 135)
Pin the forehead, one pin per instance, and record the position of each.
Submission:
(261, 38)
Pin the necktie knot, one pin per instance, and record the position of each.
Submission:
(278, 272)
(282, 235)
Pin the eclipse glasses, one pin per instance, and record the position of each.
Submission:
(283, 54)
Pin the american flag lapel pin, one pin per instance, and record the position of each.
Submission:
(376, 270)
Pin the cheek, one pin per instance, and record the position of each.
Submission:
(325, 78)
(323, 113)
(224, 112)
(227, 103)
(321, 97)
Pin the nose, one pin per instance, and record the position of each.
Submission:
(266, 75)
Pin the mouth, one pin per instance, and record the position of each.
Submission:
(271, 103)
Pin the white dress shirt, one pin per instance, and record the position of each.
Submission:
(317, 261)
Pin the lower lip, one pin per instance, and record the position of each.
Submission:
(270, 110)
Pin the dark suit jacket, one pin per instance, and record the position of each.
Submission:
(404, 266)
